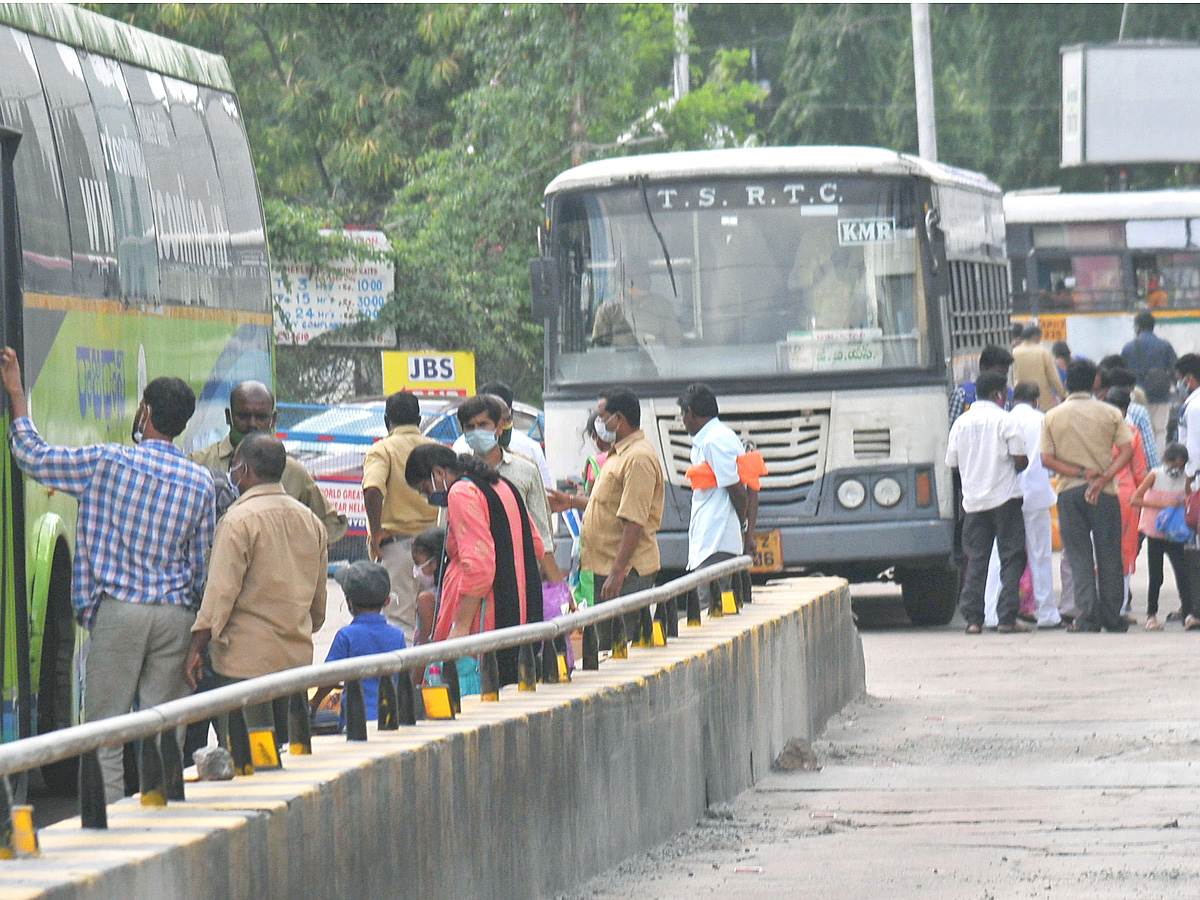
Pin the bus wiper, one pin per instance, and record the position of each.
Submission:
(658, 234)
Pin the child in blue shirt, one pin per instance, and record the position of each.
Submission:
(367, 588)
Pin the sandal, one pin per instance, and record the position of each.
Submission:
(1152, 624)
(1191, 623)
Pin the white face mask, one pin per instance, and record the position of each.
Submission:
(422, 577)
(1175, 471)
(603, 432)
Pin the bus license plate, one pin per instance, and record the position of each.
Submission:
(768, 552)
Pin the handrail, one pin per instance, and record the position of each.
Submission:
(43, 749)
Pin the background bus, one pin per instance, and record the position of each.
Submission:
(831, 296)
(134, 247)
(1084, 263)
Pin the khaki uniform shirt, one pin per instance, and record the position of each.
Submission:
(266, 585)
(405, 512)
(1082, 431)
(1033, 362)
(296, 483)
(525, 477)
(629, 489)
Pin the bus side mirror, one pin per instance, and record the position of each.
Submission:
(936, 238)
(544, 287)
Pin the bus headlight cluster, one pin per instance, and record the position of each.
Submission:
(851, 493)
(887, 492)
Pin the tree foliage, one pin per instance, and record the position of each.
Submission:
(442, 123)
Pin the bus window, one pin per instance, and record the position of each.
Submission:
(89, 199)
(1168, 280)
(129, 185)
(45, 240)
(1087, 282)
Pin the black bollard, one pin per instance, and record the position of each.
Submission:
(299, 726)
(356, 710)
(93, 809)
(747, 595)
(620, 644)
(489, 678)
(591, 649)
(693, 608)
(237, 742)
(154, 788)
(8, 847)
(526, 668)
(453, 687)
(549, 663)
(645, 636)
(560, 652)
(716, 608)
(662, 629)
(387, 718)
(172, 762)
(406, 701)
(672, 618)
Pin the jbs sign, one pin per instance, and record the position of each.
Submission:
(436, 374)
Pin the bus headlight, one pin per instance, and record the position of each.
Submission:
(887, 492)
(851, 493)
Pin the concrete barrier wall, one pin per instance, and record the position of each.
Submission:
(518, 799)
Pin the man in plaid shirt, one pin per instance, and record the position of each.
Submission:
(144, 531)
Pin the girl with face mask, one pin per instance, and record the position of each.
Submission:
(1164, 487)
(491, 577)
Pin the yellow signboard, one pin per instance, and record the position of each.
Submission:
(429, 372)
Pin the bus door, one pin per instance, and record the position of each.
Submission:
(14, 613)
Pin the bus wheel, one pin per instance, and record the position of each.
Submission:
(55, 683)
(930, 595)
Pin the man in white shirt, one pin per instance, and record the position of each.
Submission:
(1037, 497)
(1187, 370)
(988, 449)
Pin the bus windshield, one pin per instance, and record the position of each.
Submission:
(733, 278)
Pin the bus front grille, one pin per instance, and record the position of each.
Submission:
(792, 444)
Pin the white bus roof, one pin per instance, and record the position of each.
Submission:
(764, 161)
(1039, 208)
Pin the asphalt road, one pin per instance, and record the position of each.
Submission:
(1048, 765)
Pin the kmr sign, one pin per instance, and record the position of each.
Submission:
(432, 374)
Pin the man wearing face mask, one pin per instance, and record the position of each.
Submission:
(251, 410)
(481, 418)
(510, 438)
(618, 540)
(143, 533)
(395, 512)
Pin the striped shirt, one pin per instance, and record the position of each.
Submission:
(146, 518)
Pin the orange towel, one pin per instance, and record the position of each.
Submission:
(751, 468)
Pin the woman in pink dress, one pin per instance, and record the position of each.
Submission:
(491, 579)
(1128, 480)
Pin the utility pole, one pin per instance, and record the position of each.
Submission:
(923, 70)
(681, 79)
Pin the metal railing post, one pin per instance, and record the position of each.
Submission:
(93, 807)
(299, 726)
(385, 704)
(237, 742)
(172, 763)
(153, 782)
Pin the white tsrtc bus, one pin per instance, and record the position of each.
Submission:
(831, 296)
(1082, 264)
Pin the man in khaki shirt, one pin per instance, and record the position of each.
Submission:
(395, 512)
(618, 540)
(1033, 363)
(251, 410)
(266, 586)
(1078, 438)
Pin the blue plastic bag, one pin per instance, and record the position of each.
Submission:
(1172, 525)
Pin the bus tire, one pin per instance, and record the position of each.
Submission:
(930, 595)
(56, 680)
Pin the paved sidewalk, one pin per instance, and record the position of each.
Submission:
(1047, 765)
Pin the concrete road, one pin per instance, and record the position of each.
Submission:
(1048, 765)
